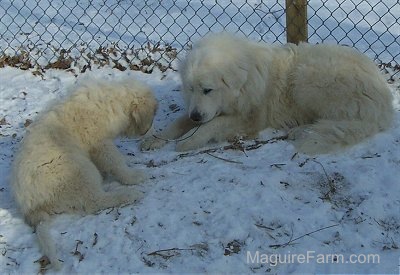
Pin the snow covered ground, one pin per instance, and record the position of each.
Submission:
(214, 209)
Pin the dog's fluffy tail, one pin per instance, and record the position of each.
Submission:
(42, 221)
(326, 136)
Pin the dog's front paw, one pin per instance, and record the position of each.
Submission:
(152, 143)
(187, 145)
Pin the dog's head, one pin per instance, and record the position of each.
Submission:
(142, 111)
(213, 74)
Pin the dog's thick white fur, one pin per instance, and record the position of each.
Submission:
(69, 149)
(326, 96)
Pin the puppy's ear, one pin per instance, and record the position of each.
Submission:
(136, 113)
(143, 111)
(138, 109)
(235, 78)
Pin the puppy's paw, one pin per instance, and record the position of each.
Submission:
(152, 143)
(132, 196)
(118, 197)
(56, 264)
(139, 176)
(133, 176)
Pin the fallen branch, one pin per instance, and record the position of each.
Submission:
(257, 144)
(180, 139)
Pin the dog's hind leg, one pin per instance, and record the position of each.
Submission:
(326, 136)
(83, 191)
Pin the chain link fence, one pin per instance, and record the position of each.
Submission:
(143, 34)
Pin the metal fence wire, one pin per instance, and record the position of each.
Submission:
(61, 34)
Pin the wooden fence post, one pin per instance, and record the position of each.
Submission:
(296, 21)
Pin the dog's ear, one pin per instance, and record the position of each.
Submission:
(235, 78)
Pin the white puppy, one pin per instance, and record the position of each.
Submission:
(68, 149)
(326, 96)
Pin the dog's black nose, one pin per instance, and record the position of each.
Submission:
(195, 116)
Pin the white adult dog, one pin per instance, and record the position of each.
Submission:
(68, 149)
(326, 96)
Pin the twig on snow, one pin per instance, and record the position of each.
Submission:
(166, 256)
(224, 159)
(302, 236)
(180, 139)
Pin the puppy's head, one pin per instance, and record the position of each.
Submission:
(142, 110)
(213, 74)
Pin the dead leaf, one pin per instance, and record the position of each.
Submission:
(3, 121)
(27, 122)
(44, 262)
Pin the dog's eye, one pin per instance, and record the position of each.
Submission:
(206, 91)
